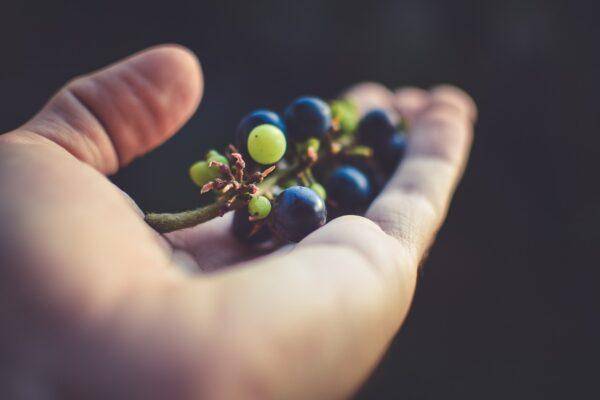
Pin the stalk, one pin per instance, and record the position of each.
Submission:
(168, 222)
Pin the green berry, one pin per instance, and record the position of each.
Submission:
(319, 189)
(259, 207)
(214, 155)
(201, 173)
(346, 113)
(266, 144)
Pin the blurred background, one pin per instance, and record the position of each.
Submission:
(506, 307)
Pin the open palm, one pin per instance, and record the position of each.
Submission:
(94, 303)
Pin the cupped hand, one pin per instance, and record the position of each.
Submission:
(95, 304)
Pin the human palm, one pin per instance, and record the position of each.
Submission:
(95, 304)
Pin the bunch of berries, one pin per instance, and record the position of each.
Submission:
(287, 175)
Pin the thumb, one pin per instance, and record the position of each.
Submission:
(110, 117)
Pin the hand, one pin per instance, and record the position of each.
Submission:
(93, 303)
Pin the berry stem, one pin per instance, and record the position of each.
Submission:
(168, 222)
(304, 178)
(278, 177)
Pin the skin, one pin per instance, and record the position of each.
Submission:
(94, 304)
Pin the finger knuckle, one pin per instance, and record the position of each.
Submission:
(410, 93)
(361, 223)
(456, 96)
(366, 239)
(398, 216)
(441, 134)
(444, 113)
(410, 100)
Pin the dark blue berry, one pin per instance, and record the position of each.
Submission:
(372, 169)
(349, 189)
(375, 128)
(392, 153)
(242, 228)
(297, 212)
(251, 121)
(307, 117)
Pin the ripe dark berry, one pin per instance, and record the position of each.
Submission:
(349, 189)
(307, 117)
(251, 121)
(242, 227)
(373, 172)
(391, 154)
(297, 212)
(375, 128)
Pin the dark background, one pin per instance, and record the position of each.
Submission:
(506, 305)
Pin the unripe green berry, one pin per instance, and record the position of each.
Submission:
(319, 189)
(201, 173)
(259, 207)
(346, 113)
(214, 155)
(266, 144)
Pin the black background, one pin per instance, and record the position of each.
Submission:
(506, 306)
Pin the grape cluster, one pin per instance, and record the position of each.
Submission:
(288, 174)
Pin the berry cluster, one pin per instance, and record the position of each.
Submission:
(287, 175)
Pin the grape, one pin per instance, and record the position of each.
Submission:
(375, 128)
(373, 172)
(319, 189)
(350, 189)
(346, 113)
(214, 155)
(307, 117)
(297, 212)
(242, 227)
(391, 154)
(251, 121)
(201, 173)
(259, 207)
(266, 144)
